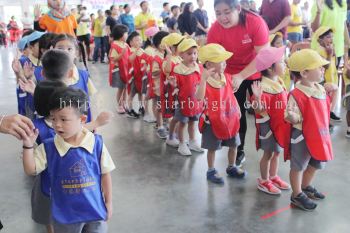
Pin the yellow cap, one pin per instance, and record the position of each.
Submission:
(172, 39)
(186, 44)
(272, 36)
(213, 53)
(306, 59)
(321, 30)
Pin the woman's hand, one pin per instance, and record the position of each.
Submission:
(17, 125)
(237, 80)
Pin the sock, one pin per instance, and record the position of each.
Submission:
(231, 166)
(211, 169)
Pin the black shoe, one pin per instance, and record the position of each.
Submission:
(250, 111)
(303, 202)
(312, 193)
(142, 111)
(93, 62)
(240, 158)
(335, 117)
(347, 134)
(103, 62)
(132, 114)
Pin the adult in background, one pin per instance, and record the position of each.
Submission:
(106, 33)
(98, 37)
(305, 11)
(187, 21)
(203, 23)
(14, 30)
(112, 19)
(144, 20)
(166, 11)
(128, 19)
(58, 20)
(276, 13)
(243, 33)
(171, 23)
(16, 125)
(295, 30)
(27, 22)
(332, 13)
(83, 30)
(252, 6)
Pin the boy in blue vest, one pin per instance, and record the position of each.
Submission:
(78, 163)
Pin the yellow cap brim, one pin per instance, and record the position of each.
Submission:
(316, 64)
(221, 58)
(187, 47)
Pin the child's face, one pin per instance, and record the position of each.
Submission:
(315, 75)
(326, 40)
(34, 50)
(67, 46)
(136, 42)
(190, 56)
(278, 42)
(279, 68)
(219, 68)
(67, 122)
(125, 37)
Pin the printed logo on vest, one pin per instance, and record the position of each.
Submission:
(78, 169)
(246, 39)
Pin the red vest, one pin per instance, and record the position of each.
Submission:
(222, 110)
(167, 95)
(123, 63)
(139, 71)
(315, 123)
(275, 105)
(187, 85)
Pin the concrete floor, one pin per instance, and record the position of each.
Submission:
(157, 191)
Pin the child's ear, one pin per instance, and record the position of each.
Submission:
(70, 72)
(303, 73)
(83, 118)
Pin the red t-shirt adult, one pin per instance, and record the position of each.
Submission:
(240, 40)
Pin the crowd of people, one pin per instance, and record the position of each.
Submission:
(283, 65)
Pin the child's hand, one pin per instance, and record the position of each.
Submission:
(330, 50)
(27, 85)
(257, 89)
(168, 51)
(28, 70)
(37, 11)
(207, 73)
(172, 80)
(16, 66)
(30, 140)
(292, 114)
(104, 118)
(109, 207)
(330, 87)
(124, 51)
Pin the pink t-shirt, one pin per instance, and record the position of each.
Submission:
(240, 40)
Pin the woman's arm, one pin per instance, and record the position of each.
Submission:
(284, 23)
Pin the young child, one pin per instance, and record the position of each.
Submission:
(155, 82)
(137, 71)
(78, 78)
(118, 66)
(308, 145)
(323, 38)
(269, 103)
(81, 161)
(219, 123)
(186, 77)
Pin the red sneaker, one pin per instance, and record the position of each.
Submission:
(268, 187)
(279, 183)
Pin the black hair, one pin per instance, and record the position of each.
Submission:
(56, 64)
(148, 42)
(266, 72)
(182, 4)
(69, 97)
(233, 4)
(45, 42)
(325, 34)
(108, 12)
(118, 31)
(132, 36)
(295, 75)
(143, 2)
(111, 8)
(125, 6)
(32, 43)
(27, 32)
(79, 46)
(42, 94)
(157, 39)
(91, 14)
(329, 3)
(165, 4)
(274, 39)
(174, 7)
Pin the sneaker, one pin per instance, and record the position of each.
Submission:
(142, 111)
(331, 128)
(303, 202)
(193, 145)
(172, 142)
(162, 133)
(347, 135)
(240, 158)
(236, 172)
(335, 117)
(184, 150)
(312, 193)
(279, 183)
(214, 177)
(93, 62)
(103, 62)
(120, 110)
(132, 114)
(268, 187)
(149, 119)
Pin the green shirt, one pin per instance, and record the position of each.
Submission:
(98, 29)
(334, 19)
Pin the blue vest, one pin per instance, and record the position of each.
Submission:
(76, 194)
(82, 84)
(45, 132)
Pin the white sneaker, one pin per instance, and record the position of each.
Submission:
(172, 142)
(193, 145)
(184, 150)
(149, 119)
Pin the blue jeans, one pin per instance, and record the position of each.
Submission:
(99, 44)
(295, 37)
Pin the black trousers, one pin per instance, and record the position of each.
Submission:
(241, 96)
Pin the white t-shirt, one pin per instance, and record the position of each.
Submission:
(27, 22)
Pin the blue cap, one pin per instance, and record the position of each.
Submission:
(34, 36)
(22, 43)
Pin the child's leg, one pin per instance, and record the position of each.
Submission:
(172, 126)
(295, 181)
(274, 164)
(211, 159)
(124, 97)
(130, 99)
(181, 127)
(119, 96)
(265, 164)
(231, 156)
(348, 119)
(191, 130)
(308, 176)
(141, 100)
(49, 229)
(334, 98)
